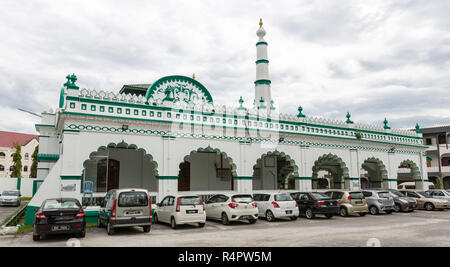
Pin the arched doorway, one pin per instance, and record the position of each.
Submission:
(336, 168)
(409, 172)
(206, 169)
(274, 170)
(374, 173)
(118, 166)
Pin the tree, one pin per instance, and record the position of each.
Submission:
(17, 160)
(438, 184)
(33, 171)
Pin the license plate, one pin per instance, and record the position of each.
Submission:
(246, 217)
(289, 212)
(133, 212)
(60, 228)
(359, 202)
(191, 211)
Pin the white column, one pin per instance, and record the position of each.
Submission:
(391, 181)
(304, 181)
(353, 181)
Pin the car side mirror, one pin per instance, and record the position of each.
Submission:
(158, 204)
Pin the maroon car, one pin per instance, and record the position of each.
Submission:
(59, 216)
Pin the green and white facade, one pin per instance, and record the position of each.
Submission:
(170, 136)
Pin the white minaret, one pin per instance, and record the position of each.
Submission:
(263, 98)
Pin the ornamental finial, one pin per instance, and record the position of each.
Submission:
(260, 23)
(348, 118)
(193, 76)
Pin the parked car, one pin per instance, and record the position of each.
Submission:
(426, 202)
(379, 200)
(232, 207)
(350, 202)
(59, 216)
(402, 202)
(126, 208)
(312, 203)
(276, 205)
(412, 185)
(10, 198)
(438, 193)
(181, 209)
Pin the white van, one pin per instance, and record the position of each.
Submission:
(412, 185)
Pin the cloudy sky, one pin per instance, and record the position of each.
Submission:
(374, 59)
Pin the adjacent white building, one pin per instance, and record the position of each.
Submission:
(171, 136)
(28, 144)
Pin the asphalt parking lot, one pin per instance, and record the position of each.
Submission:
(419, 228)
(6, 211)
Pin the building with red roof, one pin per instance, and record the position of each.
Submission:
(8, 140)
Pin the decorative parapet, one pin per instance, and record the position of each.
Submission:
(127, 106)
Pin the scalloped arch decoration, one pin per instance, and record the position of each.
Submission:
(283, 156)
(218, 152)
(124, 145)
(413, 166)
(326, 158)
(380, 164)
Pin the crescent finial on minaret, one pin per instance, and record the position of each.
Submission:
(260, 22)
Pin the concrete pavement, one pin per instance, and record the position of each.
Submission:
(419, 228)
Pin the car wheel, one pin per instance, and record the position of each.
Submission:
(269, 216)
(309, 214)
(343, 212)
(362, 214)
(373, 210)
(429, 206)
(173, 223)
(225, 219)
(109, 229)
(388, 211)
(201, 225)
(329, 216)
(293, 218)
(36, 237)
(155, 219)
(252, 221)
(146, 228)
(82, 233)
(397, 208)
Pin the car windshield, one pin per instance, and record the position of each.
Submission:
(383, 194)
(186, 201)
(396, 193)
(133, 199)
(242, 198)
(10, 193)
(422, 194)
(283, 197)
(319, 196)
(356, 195)
(54, 204)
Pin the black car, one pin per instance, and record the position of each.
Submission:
(59, 216)
(312, 203)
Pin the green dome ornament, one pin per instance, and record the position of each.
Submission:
(261, 104)
(241, 102)
(386, 124)
(418, 128)
(348, 118)
(300, 114)
(70, 84)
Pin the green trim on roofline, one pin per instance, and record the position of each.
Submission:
(143, 106)
(42, 168)
(44, 125)
(240, 138)
(262, 43)
(304, 178)
(262, 61)
(268, 82)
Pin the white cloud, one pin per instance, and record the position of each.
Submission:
(372, 58)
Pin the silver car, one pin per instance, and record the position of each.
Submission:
(438, 193)
(379, 200)
(10, 198)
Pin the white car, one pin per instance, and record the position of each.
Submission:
(182, 209)
(10, 198)
(232, 207)
(276, 205)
